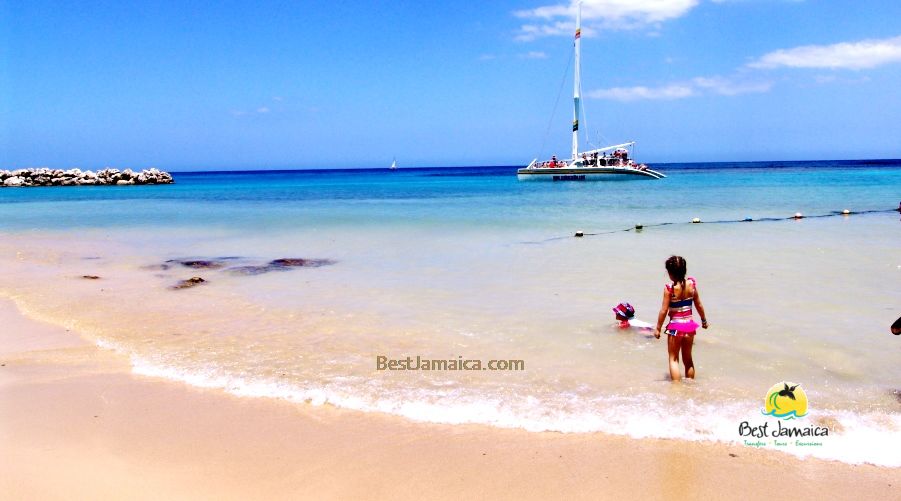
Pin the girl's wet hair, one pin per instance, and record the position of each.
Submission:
(677, 268)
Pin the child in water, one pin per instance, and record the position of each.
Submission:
(678, 298)
(623, 313)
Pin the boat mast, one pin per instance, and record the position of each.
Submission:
(577, 84)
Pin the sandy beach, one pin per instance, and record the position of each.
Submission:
(432, 250)
(77, 425)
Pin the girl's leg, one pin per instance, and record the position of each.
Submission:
(673, 344)
(687, 343)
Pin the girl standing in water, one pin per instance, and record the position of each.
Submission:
(678, 298)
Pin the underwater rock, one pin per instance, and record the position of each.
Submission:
(282, 264)
(248, 270)
(197, 264)
(191, 282)
(291, 262)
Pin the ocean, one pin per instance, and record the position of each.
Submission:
(473, 264)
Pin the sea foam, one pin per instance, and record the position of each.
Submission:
(872, 438)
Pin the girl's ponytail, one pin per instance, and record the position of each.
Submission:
(677, 268)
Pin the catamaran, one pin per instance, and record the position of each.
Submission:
(598, 163)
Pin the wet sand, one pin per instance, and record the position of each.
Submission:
(75, 424)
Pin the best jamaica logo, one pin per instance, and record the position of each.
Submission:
(786, 401)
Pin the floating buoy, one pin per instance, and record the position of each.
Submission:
(696, 220)
(846, 212)
(638, 226)
(580, 234)
(747, 219)
(798, 215)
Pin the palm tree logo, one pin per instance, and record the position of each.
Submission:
(786, 400)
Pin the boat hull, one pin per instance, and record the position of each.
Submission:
(586, 174)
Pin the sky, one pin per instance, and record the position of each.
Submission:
(207, 85)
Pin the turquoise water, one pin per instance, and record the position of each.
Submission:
(471, 262)
(462, 197)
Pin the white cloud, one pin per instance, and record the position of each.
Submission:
(669, 92)
(533, 55)
(533, 31)
(730, 87)
(487, 57)
(695, 87)
(847, 55)
(263, 109)
(600, 15)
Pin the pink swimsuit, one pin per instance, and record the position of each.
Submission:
(681, 322)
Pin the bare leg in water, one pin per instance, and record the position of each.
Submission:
(673, 346)
(687, 343)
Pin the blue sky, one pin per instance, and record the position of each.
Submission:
(231, 85)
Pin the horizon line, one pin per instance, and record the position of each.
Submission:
(512, 166)
(422, 167)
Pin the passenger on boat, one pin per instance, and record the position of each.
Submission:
(553, 163)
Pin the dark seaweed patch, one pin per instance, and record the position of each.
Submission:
(283, 264)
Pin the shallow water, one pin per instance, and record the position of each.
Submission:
(448, 263)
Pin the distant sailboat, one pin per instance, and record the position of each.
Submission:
(393, 164)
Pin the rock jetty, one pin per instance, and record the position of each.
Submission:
(76, 177)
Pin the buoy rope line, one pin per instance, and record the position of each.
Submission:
(795, 217)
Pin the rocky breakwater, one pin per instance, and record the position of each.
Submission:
(76, 177)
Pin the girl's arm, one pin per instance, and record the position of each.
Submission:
(664, 309)
(700, 306)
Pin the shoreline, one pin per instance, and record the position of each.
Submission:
(75, 419)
